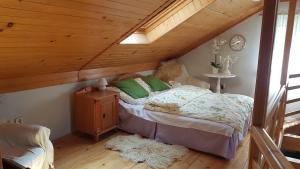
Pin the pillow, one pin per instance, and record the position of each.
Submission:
(125, 97)
(143, 84)
(175, 71)
(132, 88)
(155, 83)
(169, 70)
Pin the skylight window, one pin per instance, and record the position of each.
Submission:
(165, 21)
(136, 38)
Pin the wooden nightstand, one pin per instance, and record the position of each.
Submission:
(96, 112)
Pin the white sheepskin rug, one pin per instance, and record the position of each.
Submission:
(154, 154)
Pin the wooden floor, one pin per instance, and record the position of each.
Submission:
(81, 152)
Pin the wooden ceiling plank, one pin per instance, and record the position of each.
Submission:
(69, 8)
(52, 42)
(182, 14)
(174, 43)
(221, 30)
(20, 17)
(90, 41)
(27, 27)
(46, 35)
(135, 28)
(126, 7)
(144, 4)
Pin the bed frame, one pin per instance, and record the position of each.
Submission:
(211, 143)
(216, 144)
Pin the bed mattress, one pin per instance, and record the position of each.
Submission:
(201, 135)
(179, 121)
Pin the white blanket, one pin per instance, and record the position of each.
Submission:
(195, 102)
(21, 143)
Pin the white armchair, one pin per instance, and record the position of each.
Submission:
(26, 145)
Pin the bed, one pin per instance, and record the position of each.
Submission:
(200, 134)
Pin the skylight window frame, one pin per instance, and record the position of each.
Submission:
(169, 18)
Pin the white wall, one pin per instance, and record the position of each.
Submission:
(49, 106)
(198, 60)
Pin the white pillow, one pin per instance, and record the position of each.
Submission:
(174, 84)
(143, 84)
(126, 98)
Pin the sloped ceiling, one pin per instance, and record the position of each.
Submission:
(47, 42)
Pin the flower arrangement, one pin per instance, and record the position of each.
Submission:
(215, 65)
(217, 46)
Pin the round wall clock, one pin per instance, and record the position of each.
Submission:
(237, 42)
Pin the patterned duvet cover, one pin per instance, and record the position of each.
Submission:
(195, 102)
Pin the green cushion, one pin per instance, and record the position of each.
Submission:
(155, 83)
(132, 88)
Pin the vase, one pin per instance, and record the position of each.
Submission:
(215, 70)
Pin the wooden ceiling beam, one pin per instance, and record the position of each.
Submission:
(88, 74)
(38, 81)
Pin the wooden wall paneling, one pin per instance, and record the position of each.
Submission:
(109, 71)
(37, 81)
(25, 83)
(20, 62)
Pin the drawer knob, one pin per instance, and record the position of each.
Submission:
(104, 115)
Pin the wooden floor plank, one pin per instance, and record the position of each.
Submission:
(81, 152)
(186, 161)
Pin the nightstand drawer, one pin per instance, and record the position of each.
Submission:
(107, 113)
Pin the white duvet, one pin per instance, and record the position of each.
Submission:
(199, 103)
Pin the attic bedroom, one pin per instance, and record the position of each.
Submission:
(149, 84)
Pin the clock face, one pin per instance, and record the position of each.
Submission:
(237, 42)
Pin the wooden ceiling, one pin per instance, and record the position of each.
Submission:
(48, 42)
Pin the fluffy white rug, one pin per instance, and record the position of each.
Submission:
(154, 154)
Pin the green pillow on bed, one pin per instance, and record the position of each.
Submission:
(155, 83)
(132, 88)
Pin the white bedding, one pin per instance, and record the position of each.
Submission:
(199, 103)
(178, 121)
(27, 145)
